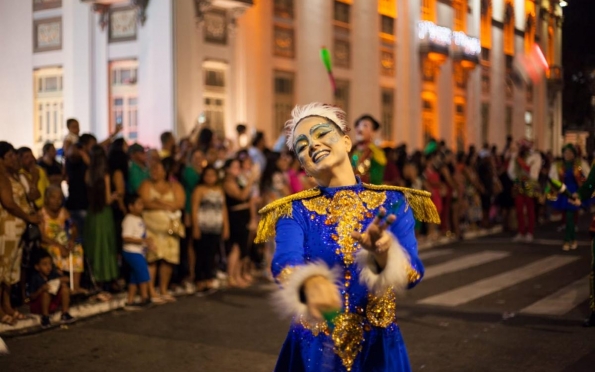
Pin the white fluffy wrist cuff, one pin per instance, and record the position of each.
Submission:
(287, 299)
(395, 274)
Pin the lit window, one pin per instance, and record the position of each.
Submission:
(428, 10)
(48, 98)
(460, 10)
(284, 99)
(123, 97)
(509, 29)
(342, 12)
(486, 25)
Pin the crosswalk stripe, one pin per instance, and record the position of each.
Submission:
(562, 301)
(498, 282)
(435, 253)
(463, 263)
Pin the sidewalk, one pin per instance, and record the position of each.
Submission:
(89, 309)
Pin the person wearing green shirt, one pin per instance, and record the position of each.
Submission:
(367, 159)
(191, 176)
(137, 172)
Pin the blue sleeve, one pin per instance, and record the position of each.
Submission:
(404, 230)
(289, 250)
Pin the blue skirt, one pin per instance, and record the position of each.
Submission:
(382, 351)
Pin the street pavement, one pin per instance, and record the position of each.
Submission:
(484, 305)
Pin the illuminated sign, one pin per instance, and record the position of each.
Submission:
(443, 38)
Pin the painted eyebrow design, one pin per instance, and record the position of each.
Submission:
(302, 137)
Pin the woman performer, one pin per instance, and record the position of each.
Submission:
(344, 249)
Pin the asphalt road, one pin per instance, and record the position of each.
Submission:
(485, 305)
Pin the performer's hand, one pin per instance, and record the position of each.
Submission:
(575, 200)
(322, 296)
(376, 239)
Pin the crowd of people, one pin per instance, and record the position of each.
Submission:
(95, 217)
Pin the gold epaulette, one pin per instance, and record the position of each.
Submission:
(270, 214)
(420, 201)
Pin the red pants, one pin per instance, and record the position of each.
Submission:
(55, 304)
(521, 203)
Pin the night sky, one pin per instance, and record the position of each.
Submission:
(578, 41)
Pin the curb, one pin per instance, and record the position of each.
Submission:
(87, 310)
(82, 311)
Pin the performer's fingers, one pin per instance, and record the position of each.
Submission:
(387, 222)
(379, 216)
(383, 243)
(357, 236)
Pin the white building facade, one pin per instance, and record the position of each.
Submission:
(425, 68)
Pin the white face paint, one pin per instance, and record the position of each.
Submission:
(320, 145)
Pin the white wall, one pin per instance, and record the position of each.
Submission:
(156, 73)
(16, 72)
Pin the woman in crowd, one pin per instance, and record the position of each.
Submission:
(237, 198)
(210, 227)
(100, 231)
(15, 213)
(164, 200)
(191, 175)
(118, 170)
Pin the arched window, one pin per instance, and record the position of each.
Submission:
(509, 29)
(486, 24)
(460, 10)
(428, 10)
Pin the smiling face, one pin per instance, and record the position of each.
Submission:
(320, 145)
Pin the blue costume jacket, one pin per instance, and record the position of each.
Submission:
(313, 231)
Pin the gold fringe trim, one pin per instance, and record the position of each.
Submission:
(271, 213)
(420, 201)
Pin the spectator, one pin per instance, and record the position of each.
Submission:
(15, 212)
(50, 165)
(257, 151)
(168, 145)
(35, 175)
(60, 238)
(117, 161)
(298, 180)
(205, 140)
(163, 199)
(49, 291)
(136, 243)
(238, 208)
(210, 225)
(77, 162)
(191, 175)
(72, 138)
(99, 232)
(242, 137)
(137, 169)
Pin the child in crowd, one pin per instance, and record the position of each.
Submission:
(49, 290)
(59, 236)
(210, 227)
(134, 236)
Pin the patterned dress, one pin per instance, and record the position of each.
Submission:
(11, 230)
(55, 229)
(315, 226)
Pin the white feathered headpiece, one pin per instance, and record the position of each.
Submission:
(299, 113)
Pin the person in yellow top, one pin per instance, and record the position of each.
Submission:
(367, 159)
(36, 176)
(168, 145)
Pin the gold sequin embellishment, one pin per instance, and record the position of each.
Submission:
(346, 209)
(382, 311)
(348, 336)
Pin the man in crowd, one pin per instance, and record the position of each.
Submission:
(257, 151)
(367, 159)
(52, 168)
(137, 171)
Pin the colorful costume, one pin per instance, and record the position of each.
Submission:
(369, 164)
(312, 231)
(524, 171)
(573, 175)
(586, 192)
